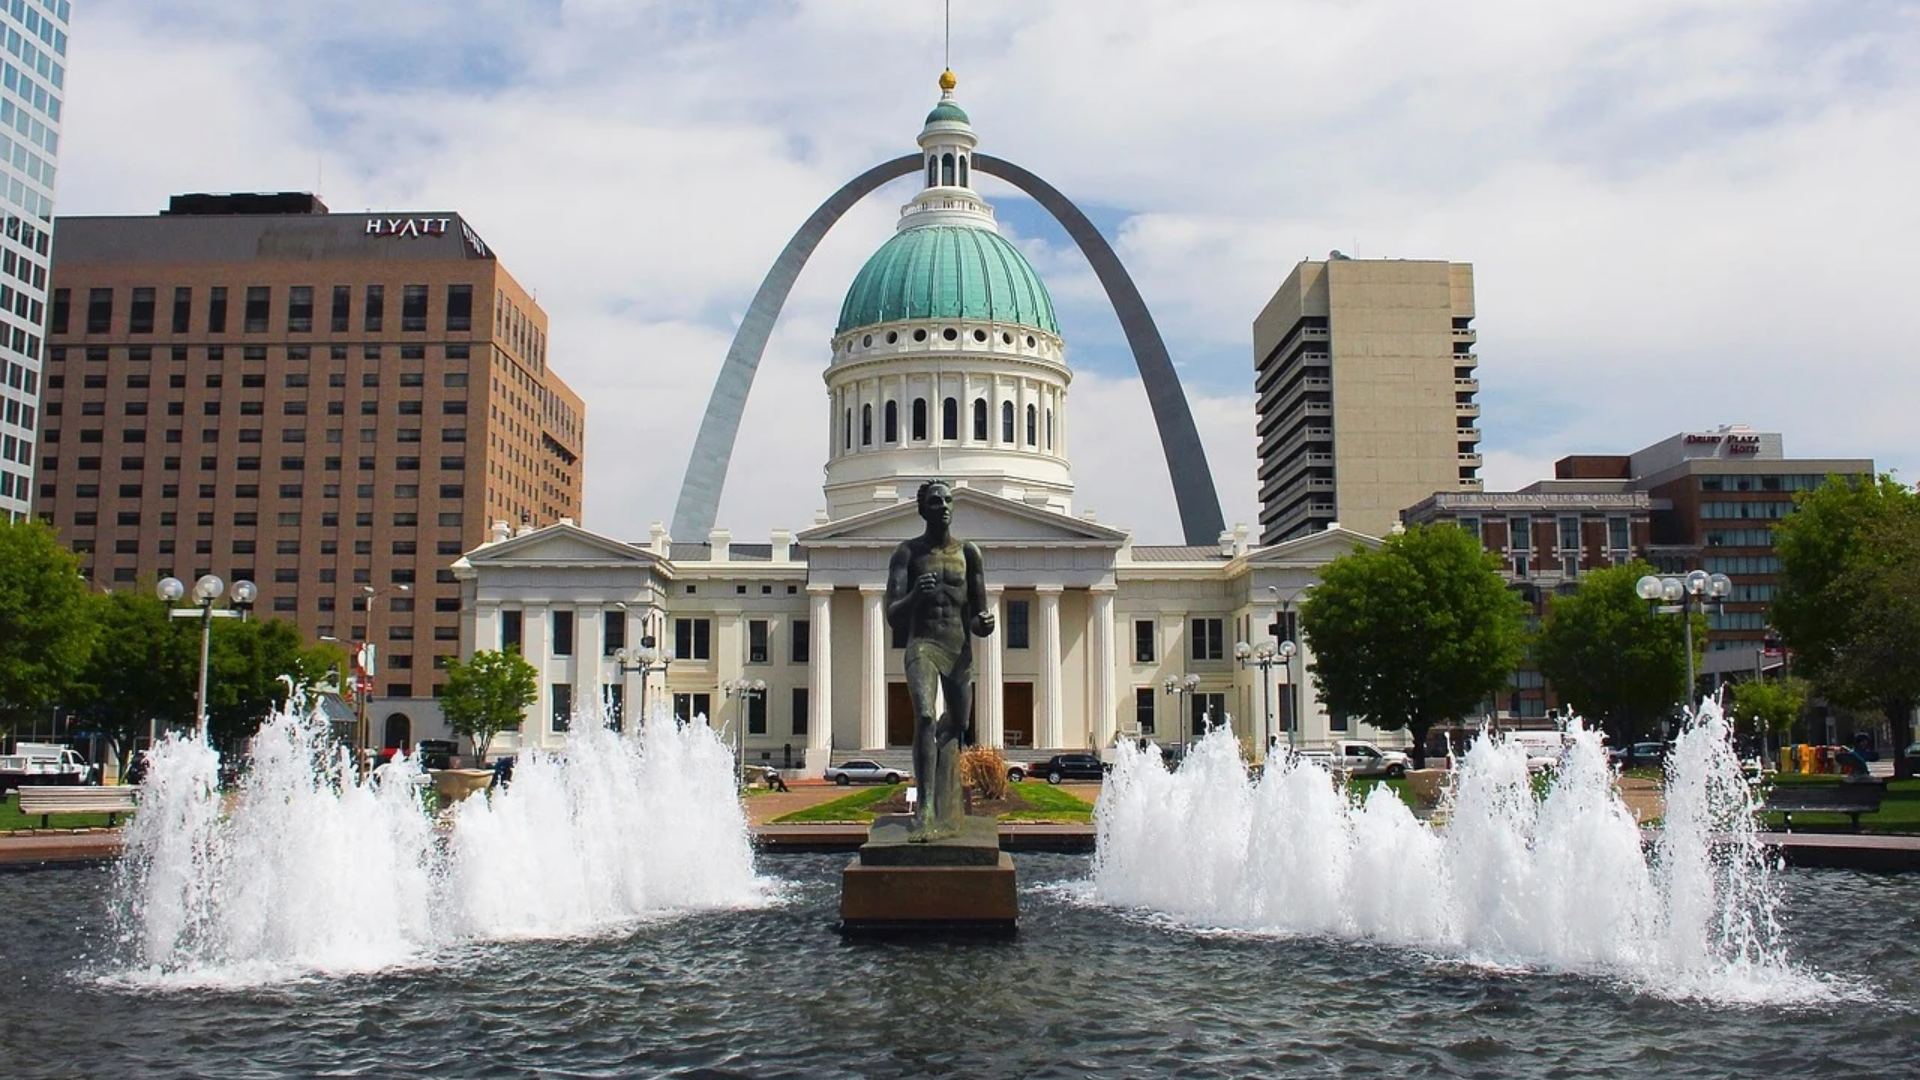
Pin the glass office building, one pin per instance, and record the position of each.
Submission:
(34, 78)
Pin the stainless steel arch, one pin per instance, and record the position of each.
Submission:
(1193, 491)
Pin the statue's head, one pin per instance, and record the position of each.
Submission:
(936, 502)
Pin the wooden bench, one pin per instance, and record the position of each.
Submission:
(49, 799)
(1849, 797)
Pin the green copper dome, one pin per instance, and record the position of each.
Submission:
(949, 112)
(947, 272)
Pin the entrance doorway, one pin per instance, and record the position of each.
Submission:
(1016, 710)
(399, 732)
(1208, 711)
(899, 715)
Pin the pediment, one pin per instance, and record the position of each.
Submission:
(559, 545)
(1320, 547)
(977, 516)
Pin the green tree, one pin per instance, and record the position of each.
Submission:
(141, 670)
(487, 694)
(1617, 662)
(1849, 598)
(1772, 706)
(1419, 631)
(46, 634)
(249, 669)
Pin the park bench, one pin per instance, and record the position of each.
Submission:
(1849, 797)
(49, 799)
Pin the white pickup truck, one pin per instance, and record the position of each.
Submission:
(1352, 757)
(42, 763)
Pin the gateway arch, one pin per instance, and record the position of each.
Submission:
(1193, 491)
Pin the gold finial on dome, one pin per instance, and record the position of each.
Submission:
(947, 80)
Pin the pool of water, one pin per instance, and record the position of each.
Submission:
(772, 990)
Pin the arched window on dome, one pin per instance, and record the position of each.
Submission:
(946, 169)
(933, 171)
(1049, 429)
(950, 419)
(849, 430)
(893, 422)
(866, 424)
(1033, 426)
(980, 419)
(1006, 421)
(919, 419)
(963, 170)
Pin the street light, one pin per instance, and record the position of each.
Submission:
(1681, 595)
(1179, 687)
(745, 689)
(1266, 656)
(366, 661)
(644, 660)
(205, 591)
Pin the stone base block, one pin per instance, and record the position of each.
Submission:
(889, 843)
(919, 898)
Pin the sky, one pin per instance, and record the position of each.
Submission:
(1680, 214)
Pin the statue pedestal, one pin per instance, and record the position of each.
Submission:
(962, 883)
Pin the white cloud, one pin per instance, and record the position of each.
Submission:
(1679, 214)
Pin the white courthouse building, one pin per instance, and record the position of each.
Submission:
(946, 363)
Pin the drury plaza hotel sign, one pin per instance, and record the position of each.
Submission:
(1732, 444)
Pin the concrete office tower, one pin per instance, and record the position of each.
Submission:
(35, 79)
(1364, 384)
(326, 404)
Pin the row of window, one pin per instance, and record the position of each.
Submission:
(292, 380)
(249, 519)
(949, 423)
(1763, 482)
(371, 352)
(256, 312)
(207, 491)
(1745, 511)
(1739, 538)
(1567, 532)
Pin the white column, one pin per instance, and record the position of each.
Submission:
(587, 631)
(988, 692)
(631, 681)
(1050, 723)
(535, 641)
(819, 677)
(1100, 658)
(873, 669)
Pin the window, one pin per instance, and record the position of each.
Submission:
(950, 418)
(376, 306)
(847, 431)
(216, 312)
(413, 307)
(756, 714)
(799, 647)
(99, 310)
(1143, 709)
(692, 639)
(342, 302)
(1208, 638)
(1033, 426)
(613, 627)
(459, 307)
(140, 315)
(980, 419)
(1017, 624)
(510, 631)
(1520, 544)
(892, 433)
(1209, 710)
(1144, 651)
(562, 633)
(1006, 421)
(300, 309)
(1618, 537)
(756, 641)
(690, 707)
(1570, 534)
(259, 300)
(799, 710)
(866, 425)
(919, 419)
(62, 311)
(562, 706)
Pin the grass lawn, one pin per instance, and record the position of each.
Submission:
(1048, 803)
(1899, 812)
(1359, 787)
(11, 818)
(854, 807)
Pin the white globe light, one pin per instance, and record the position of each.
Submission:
(209, 588)
(1672, 589)
(1648, 588)
(1286, 650)
(1242, 650)
(244, 591)
(1697, 583)
(171, 589)
(1720, 585)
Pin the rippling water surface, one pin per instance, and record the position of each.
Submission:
(1083, 990)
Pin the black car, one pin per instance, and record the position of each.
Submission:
(1070, 767)
(435, 753)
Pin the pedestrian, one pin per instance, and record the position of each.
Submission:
(774, 781)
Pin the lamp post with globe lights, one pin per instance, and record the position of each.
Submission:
(205, 591)
(643, 661)
(1179, 687)
(1680, 595)
(1266, 656)
(745, 689)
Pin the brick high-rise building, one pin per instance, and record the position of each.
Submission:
(1365, 393)
(335, 406)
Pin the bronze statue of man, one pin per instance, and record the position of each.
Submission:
(937, 596)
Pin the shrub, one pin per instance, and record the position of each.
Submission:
(983, 771)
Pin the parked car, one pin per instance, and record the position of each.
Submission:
(1643, 752)
(863, 771)
(435, 753)
(44, 763)
(1070, 767)
(1355, 758)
